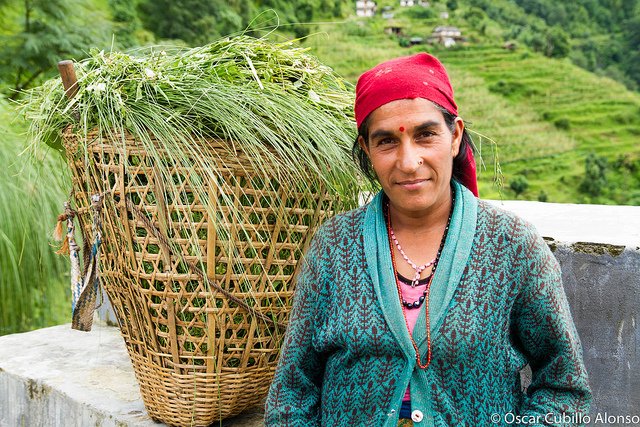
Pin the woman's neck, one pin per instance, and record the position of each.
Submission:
(423, 221)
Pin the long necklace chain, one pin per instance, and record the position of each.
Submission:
(432, 275)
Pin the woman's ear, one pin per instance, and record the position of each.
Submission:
(458, 131)
(363, 145)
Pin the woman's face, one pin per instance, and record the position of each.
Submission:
(411, 150)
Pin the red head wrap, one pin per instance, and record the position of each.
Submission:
(417, 76)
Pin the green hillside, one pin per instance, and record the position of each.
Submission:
(546, 115)
(590, 114)
(570, 133)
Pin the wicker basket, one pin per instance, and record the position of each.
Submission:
(202, 350)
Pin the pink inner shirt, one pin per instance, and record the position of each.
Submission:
(410, 294)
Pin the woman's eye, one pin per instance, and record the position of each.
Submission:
(423, 135)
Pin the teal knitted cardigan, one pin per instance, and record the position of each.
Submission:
(347, 357)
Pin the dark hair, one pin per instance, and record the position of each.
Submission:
(361, 158)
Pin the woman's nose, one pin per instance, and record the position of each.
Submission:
(408, 157)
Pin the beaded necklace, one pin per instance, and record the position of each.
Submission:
(418, 268)
(426, 292)
(418, 303)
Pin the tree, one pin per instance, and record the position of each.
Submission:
(337, 9)
(558, 44)
(245, 9)
(519, 185)
(631, 61)
(324, 8)
(126, 22)
(474, 16)
(193, 21)
(47, 33)
(304, 15)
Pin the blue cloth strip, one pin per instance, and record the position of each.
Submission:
(405, 409)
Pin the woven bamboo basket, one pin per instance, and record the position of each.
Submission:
(203, 331)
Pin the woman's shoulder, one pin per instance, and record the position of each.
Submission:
(494, 219)
(490, 210)
(343, 224)
(339, 232)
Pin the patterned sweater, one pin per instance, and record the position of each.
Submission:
(347, 357)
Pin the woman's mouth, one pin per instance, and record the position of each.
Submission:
(412, 184)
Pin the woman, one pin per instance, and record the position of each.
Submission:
(424, 305)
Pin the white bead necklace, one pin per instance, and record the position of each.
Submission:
(418, 268)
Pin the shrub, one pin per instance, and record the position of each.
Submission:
(563, 124)
(542, 196)
(519, 185)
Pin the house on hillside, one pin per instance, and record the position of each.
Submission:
(443, 31)
(393, 30)
(366, 8)
(446, 36)
(409, 3)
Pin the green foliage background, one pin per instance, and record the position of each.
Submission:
(563, 106)
(33, 284)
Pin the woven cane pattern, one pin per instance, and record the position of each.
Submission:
(507, 309)
(202, 323)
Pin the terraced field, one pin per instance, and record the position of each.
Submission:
(592, 113)
(545, 115)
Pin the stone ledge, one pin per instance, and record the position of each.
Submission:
(572, 223)
(61, 377)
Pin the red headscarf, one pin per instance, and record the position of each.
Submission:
(417, 76)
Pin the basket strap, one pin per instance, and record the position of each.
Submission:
(87, 290)
(74, 254)
(164, 241)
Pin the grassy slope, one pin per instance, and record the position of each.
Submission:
(603, 116)
(515, 98)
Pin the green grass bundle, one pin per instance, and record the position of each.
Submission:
(274, 101)
(267, 97)
(290, 115)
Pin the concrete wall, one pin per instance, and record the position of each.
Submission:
(603, 290)
(598, 248)
(60, 377)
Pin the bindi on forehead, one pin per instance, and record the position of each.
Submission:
(401, 128)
